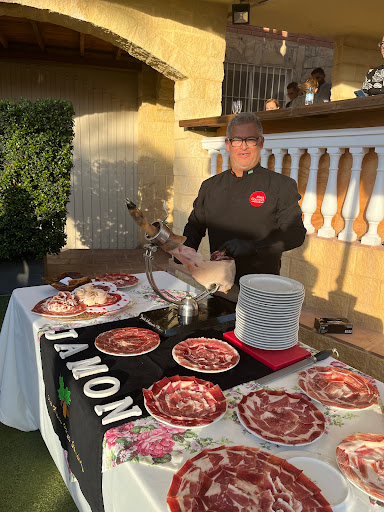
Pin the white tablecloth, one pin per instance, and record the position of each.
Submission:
(133, 486)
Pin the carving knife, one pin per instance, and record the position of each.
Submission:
(295, 367)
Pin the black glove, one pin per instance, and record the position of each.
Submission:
(237, 248)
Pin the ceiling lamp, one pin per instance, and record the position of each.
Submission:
(240, 14)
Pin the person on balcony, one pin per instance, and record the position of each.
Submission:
(300, 100)
(324, 88)
(293, 91)
(374, 79)
(250, 212)
(272, 104)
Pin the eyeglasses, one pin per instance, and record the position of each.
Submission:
(380, 44)
(249, 141)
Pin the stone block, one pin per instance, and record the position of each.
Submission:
(370, 262)
(365, 291)
(308, 274)
(188, 167)
(333, 253)
(335, 305)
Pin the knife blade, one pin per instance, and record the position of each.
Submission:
(295, 367)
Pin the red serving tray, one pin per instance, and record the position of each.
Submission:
(274, 359)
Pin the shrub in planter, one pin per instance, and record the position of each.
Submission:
(35, 165)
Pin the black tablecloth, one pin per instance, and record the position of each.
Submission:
(72, 413)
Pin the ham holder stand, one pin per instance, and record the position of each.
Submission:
(191, 312)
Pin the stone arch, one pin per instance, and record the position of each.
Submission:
(157, 56)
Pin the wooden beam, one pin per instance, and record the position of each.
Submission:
(118, 54)
(38, 36)
(82, 44)
(3, 41)
(64, 56)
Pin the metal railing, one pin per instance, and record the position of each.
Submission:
(253, 85)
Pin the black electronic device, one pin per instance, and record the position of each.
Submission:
(212, 311)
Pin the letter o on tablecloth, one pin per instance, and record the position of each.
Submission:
(101, 393)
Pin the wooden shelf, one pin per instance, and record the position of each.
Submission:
(352, 113)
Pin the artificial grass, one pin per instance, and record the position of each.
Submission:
(29, 479)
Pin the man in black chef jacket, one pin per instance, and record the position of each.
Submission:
(249, 211)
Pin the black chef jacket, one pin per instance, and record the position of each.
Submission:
(261, 205)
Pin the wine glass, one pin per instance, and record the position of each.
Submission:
(237, 106)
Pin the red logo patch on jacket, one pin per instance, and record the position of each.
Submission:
(257, 198)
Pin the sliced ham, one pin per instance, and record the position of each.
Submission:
(211, 481)
(62, 304)
(281, 417)
(205, 355)
(337, 387)
(185, 401)
(361, 459)
(127, 341)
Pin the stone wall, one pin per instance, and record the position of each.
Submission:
(353, 58)
(268, 47)
(155, 145)
(340, 279)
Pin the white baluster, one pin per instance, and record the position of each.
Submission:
(213, 153)
(375, 210)
(264, 157)
(351, 205)
(329, 205)
(225, 154)
(309, 203)
(279, 155)
(295, 161)
(214, 146)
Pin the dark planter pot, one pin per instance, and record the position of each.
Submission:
(17, 274)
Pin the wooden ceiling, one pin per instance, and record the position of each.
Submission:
(24, 39)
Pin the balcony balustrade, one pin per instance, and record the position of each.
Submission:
(351, 163)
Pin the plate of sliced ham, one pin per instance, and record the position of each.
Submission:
(207, 355)
(185, 401)
(119, 279)
(242, 479)
(127, 341)
(282, 418)
(113, 302)
(361, 459)
(64, 304)
(337, 387)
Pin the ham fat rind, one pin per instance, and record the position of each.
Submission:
(242, 479)
(207, 273)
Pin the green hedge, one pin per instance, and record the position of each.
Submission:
(35, 166)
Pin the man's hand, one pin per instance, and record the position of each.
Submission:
(237, 248)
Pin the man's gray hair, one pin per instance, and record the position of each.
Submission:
(244, 118)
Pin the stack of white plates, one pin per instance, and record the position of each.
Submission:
(268, 311)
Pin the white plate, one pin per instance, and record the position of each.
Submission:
(196, 369)
(334, 487)
(124, 302)
(169, 424)
(265, 335)
(111, 286)
(273, 442)
(271, 284)
(357, 486)
(263, 300)
(126, 355)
